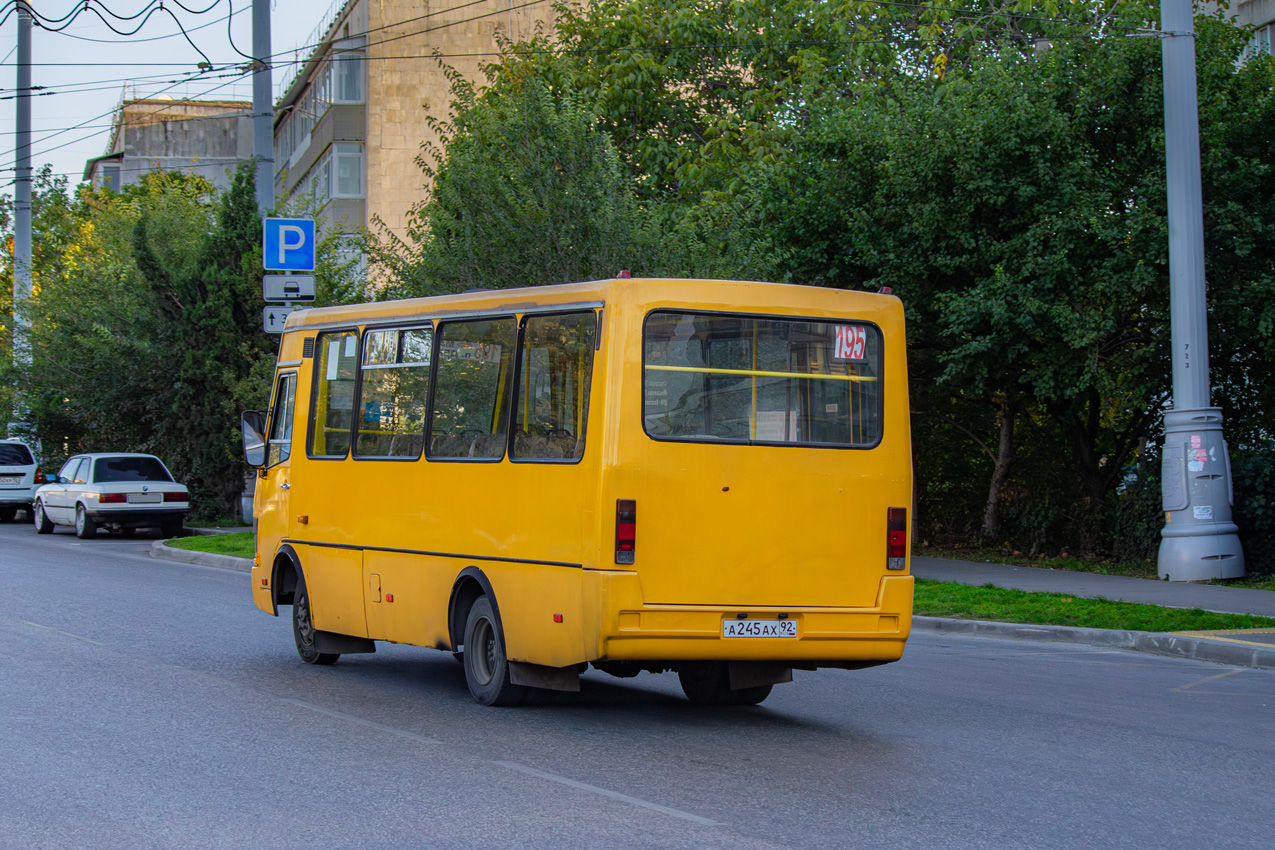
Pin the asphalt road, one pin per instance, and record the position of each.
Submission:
(148, 704)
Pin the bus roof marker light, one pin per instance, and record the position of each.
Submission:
(624, 273)
(625, 530)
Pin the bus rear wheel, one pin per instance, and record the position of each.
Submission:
(708, 683)
(486, 666)
(303, 631)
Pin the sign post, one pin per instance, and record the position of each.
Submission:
(287, 245)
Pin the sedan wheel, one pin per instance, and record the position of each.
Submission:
(42, 523)
(85, 527)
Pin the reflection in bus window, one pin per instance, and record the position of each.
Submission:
(333, 411)
(554, 369)
(740, 379)
(471, 396)
(280, 442)
(394, 392)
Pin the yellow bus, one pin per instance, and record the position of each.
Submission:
(707, 477)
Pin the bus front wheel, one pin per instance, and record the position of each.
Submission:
(303, 631)
(486, 667)
(708, 683)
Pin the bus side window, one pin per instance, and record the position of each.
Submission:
(555, 366)
(393, 393)
(471, 390)
(279, 444)
(332, 409)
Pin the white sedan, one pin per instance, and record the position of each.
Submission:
(122, 492)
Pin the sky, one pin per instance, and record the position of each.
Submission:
(87, 69)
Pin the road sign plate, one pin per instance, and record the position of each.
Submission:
(287, 244)
(274, 316)
(287, 287)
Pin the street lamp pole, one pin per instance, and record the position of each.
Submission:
(22, 266)
(1199, 541)
(262, 106)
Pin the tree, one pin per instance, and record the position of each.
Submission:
(524, 191)
(1019, 212)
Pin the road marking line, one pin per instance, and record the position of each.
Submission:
(60, 632)
(381, 727)
(1212, 678)
(531, 771)
(614, 795)
(1228, 640)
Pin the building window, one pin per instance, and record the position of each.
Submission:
(346, 72)
(348, 171)
(111, 177)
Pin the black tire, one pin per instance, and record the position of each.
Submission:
(43, 525)
(708, 683)
(486, 667)
(7, 513)
(85, 527)
(171, 528)
(303, 631)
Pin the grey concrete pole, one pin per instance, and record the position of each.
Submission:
(262, 106)
(1199, 541)
(22, 209)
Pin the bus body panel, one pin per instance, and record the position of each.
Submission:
(722, 529)
(738, 524)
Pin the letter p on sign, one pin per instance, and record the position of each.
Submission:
(287, 244)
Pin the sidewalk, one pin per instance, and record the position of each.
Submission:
(1237, 647)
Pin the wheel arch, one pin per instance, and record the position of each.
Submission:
(471, 584)
(286, 576)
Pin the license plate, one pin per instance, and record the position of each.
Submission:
(144, 498)
(10, 479)
(759, 628)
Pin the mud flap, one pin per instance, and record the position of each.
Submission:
(549, 678)
(752, 674)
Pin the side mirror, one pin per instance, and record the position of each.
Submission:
(252, 424)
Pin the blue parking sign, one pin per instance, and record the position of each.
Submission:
(287, 244)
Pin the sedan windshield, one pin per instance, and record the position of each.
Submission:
(111, 469)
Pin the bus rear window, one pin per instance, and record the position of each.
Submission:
(744, 379)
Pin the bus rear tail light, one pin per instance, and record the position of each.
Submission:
(175, 497)
(625, 530)
(112, 498)
(896, 544)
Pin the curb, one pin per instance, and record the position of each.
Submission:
(1153, 643)
(160, 549)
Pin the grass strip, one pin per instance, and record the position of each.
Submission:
(966, 602)
(237, 545)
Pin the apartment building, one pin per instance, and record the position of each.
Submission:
(205, 137)
(1259, 14)
(350, 123)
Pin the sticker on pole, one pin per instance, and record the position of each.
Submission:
(287, 244)
(1204, 512)
(851, 343)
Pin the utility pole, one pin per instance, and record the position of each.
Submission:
(22, 209)
(1199, 541)
(262, 106)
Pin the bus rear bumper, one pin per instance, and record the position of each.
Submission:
(824, 636)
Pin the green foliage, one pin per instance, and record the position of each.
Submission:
(526, 191)
(239, 544)
(1253, 481)
(146, 337)
(947, 599)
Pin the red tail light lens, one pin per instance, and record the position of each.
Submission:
(176, 497)
(39, 475)
(625, 530)
(112, 498)
(896, 544)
